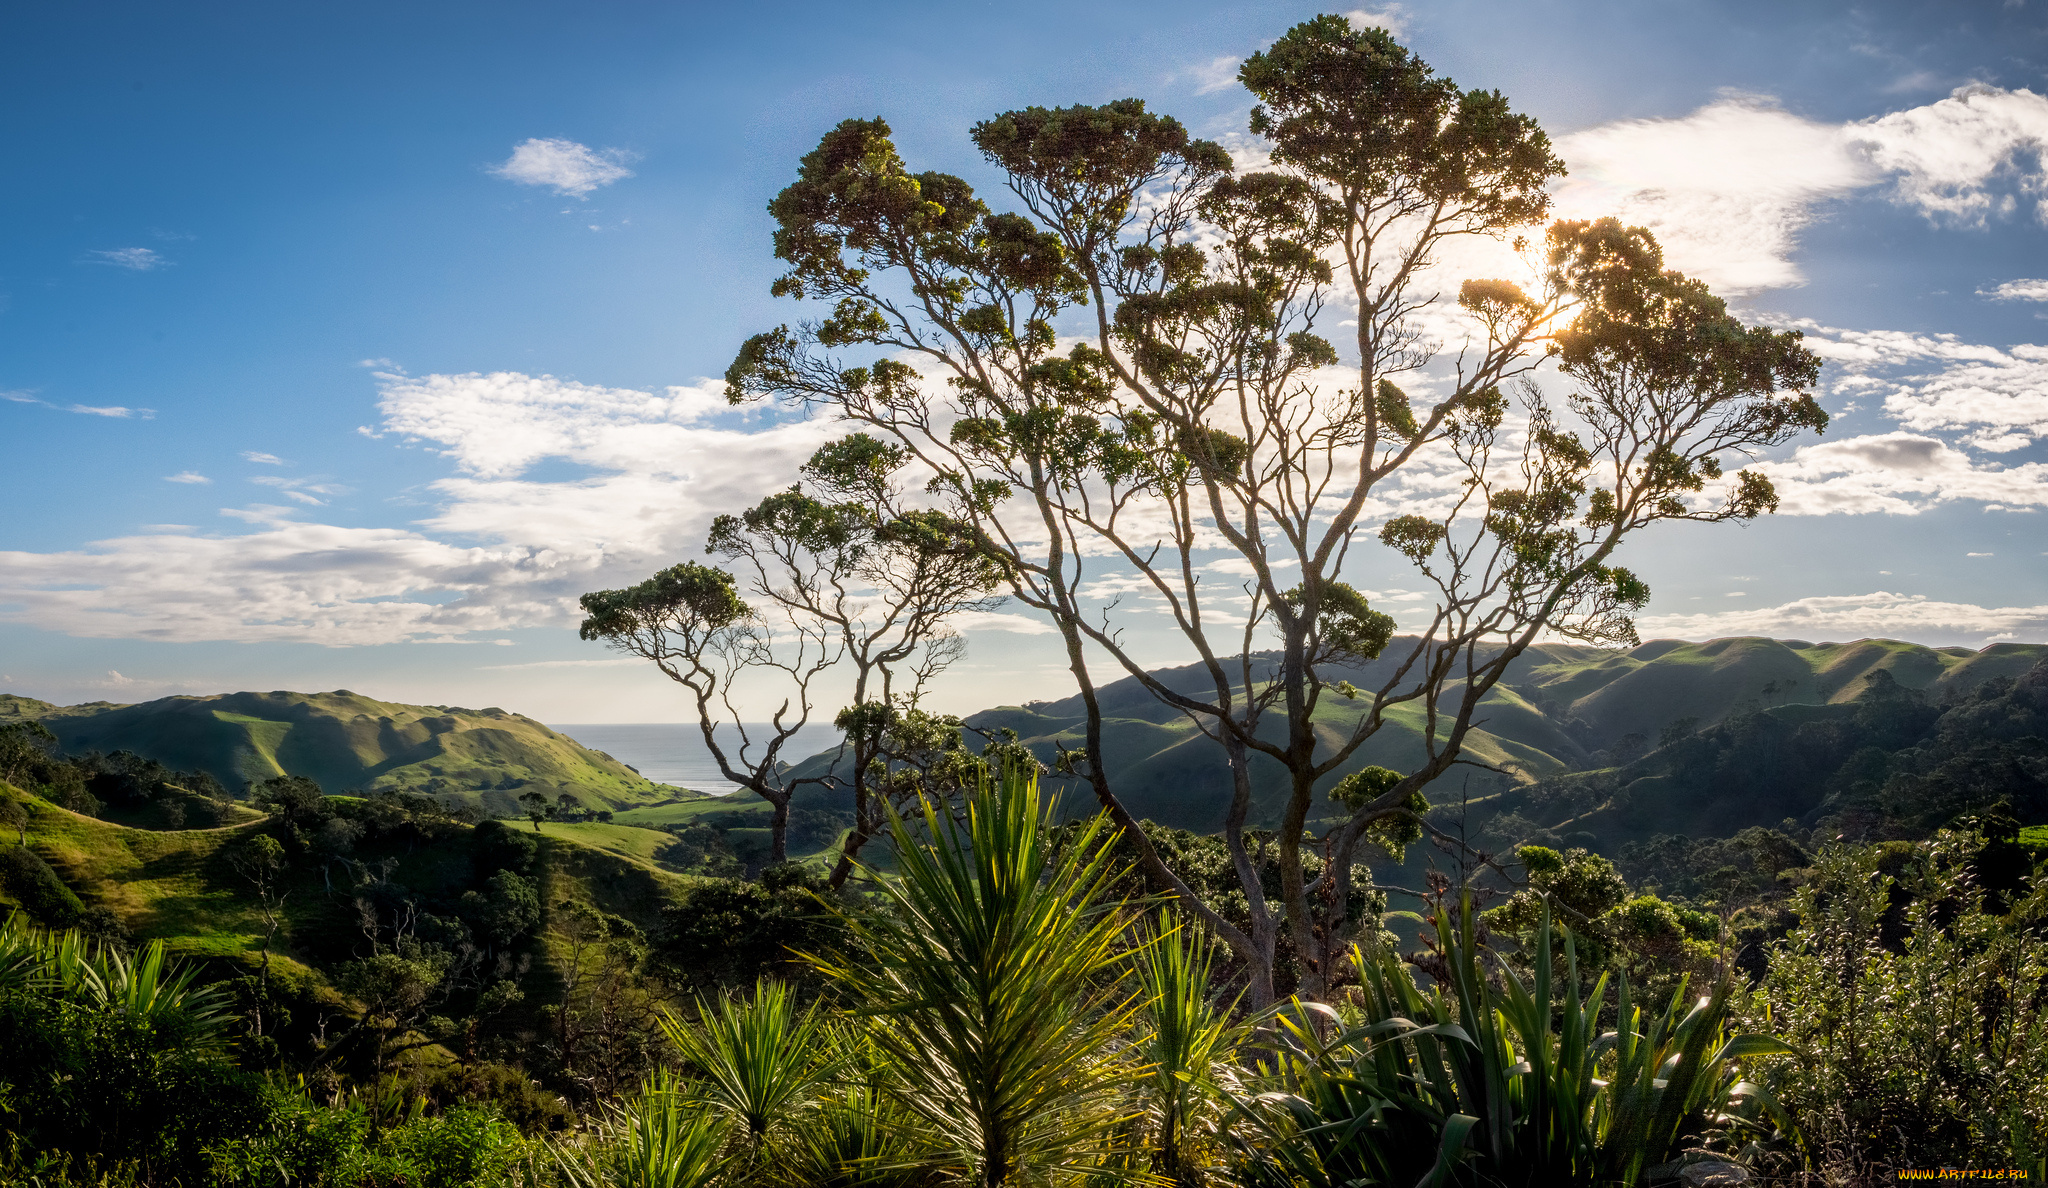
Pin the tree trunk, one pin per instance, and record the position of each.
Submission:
(778, 832)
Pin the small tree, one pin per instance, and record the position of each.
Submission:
(260, 859)
(298, 799)
(13, 816)
(885, 587)
(995, 961)
(537, 808)
(691, 622)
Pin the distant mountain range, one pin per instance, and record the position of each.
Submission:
(349, 742)
(1562, 708)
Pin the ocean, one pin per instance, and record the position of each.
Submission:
(674, 753)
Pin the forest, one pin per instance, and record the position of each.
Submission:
(1503, 896)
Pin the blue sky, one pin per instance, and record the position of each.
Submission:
(313, 383)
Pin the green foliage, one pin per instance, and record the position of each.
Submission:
(727, 933)
(1186, 1044)
(302, 1143)
(689, 596)
(653, 1139)
(1485, 1078)
(991, 958)
(758, 1060)
(1356, 108)
(28, 881)
(1642, 936)
(107, 1059)
(25, 749)
(1916, 1008)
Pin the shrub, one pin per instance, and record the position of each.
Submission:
(32, 884)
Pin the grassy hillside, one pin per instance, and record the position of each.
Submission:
(182, 888)
(346, 741)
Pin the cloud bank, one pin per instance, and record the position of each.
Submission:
(1860, 616)
(502, 550)
(1728, 188)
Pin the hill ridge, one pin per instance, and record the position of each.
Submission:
(346, 741)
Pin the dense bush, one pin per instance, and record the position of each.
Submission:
(30, 882)
(1919, 1007)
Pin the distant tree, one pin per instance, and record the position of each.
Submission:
(23, 747)
(396, 990)
(13, 816)
(332, 843)
(727, 933)
(1628, 748)
(537, 808)
(506, 909)
(606, 1027)
(690, 620)
(297, 799)
(1204, 429)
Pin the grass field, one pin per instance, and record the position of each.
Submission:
(685, 811)
(628, 840)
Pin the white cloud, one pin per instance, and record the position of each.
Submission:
(1900, 474)
(300, 490)
(1391, 17)
(568, 167)
(188, 476)
(115, 411)
(971, 623)
(2018, 290)
(1728, 188)
(303, 583)
(139, 259)
(263, 458)
(1947, 154)
(1857, 616)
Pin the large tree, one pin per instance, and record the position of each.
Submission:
(1203, 414)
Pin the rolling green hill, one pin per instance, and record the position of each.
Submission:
(176, 885)
(1563, 708)
(346, 742)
